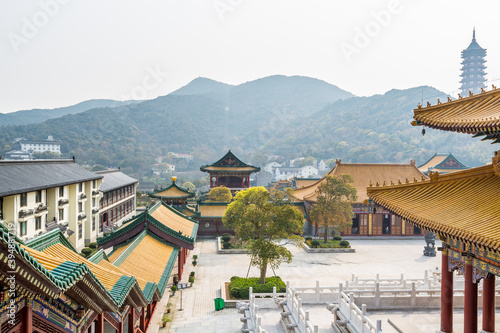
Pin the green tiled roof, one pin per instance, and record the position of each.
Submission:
(50, 238)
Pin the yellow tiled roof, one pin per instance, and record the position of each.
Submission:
(301, 182)
(109, 266)
(148, 259)
(462, 204)
(173, 220)
(173, 191)
(212, 210)
(363, 174)
(116, 252)
(432, 162)
(478, 113)
(57, 254)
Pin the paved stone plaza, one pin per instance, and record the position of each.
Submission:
(389, 258)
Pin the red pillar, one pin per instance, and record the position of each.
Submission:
(470, 300)
(143, 321)
(180, 266)
(99, 323)
(28, 316)
(489, 304)
(131, 320)
(446, 295)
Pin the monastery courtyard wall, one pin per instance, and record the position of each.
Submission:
(389, 258)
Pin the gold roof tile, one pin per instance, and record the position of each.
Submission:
(461, 204)
(173, 220)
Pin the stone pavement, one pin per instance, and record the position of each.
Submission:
(387, 257)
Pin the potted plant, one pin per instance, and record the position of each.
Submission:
(169, 307)
(165, 320)
(191, 280)
(174, 289)
(195, 257)
(194, 262)
(191, 274)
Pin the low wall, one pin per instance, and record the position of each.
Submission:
(327, 250)
(220, 250)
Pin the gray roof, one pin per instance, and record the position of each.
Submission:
(26, 176)
(114, 179)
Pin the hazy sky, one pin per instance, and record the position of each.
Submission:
(60, 52)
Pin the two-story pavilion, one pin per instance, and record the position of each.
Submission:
(461, 208)
(230, 172)
(173, 195)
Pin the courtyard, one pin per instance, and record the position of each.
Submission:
(387, 257)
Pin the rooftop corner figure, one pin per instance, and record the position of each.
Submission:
(473, 76)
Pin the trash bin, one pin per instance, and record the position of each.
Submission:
(219, 304)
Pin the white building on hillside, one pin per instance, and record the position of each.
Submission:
(40, 146)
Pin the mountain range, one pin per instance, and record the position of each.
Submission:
(277, 115)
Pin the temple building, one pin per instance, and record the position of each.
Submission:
(444, 163)
(41, 195)
(367, 220)
(230, 172)
(473, 76)
(49, 287)
(118, 200)
(173, 195)
(461, 208)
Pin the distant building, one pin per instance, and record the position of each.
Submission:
(16, 155)
(160, 168)
(40, 146)
(443, 163)
(188, 157)
(230, 172)
(473, 68)
(295, 160)
(270, 166)
(118, 200)
(59, 194)
(321, 165)
(282, 173)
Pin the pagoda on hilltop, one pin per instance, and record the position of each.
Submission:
(473, 68)
(230, 172)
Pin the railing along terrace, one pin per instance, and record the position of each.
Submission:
(348, 314)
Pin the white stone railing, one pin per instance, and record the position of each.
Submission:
(252, 321)
(349, 315)
(294, 316)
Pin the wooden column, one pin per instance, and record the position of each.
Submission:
(99, 323)
(446, 295)
(489, 304)
(131, 320)
(143, 321)
(470, 299)
(180, 266)
(28, 317)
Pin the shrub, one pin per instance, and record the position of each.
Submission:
(226, 235)
(194, 262)
(216, 235)
(315, 243)
(192, 273)
(191, 279)
(344, 243)
(337, 238)
(238, 287)
(226, 245)
(86, 251)
(173, 288)
(308, 238)
(195, 257)
(226, 238)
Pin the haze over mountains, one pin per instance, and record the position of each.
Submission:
(278, 115)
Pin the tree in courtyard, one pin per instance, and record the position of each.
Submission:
(220, 194)
(264, 220)
(334, 204)
(189, 186)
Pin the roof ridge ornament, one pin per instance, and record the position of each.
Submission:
(434, 175)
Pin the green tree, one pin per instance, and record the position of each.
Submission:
(334, 204)
(265, 220)
(309, 160)
(189, 186)
(330, 163)
(220, 194)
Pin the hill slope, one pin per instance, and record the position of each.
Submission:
(34, 116)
